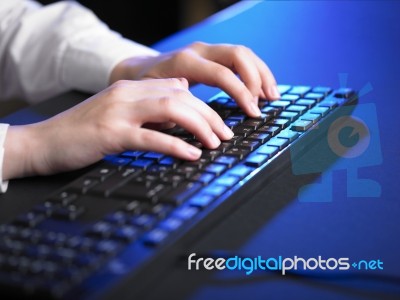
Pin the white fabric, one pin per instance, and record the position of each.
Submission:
(47, 50)
(3, 131)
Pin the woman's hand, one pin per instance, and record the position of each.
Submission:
(215, 65)
(111, 122)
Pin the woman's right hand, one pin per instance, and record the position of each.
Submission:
(110, 122)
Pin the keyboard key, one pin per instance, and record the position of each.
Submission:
(227, 160)
(253, 123)
(159, 210)
(29, 219)
(186, 170)
(250, 145)
(306, 102)
(118, 217)
(132, 154)
(115, 180)
(281, 123)
(224, 146)
(268, 150)
(142, 163)
(231, 123)
(271, 130)
(272, 111)
(201, 201)
(297, 108)
(202, 177)
(227, 180)
(262, 137)
(323, 111)
(133, 190)
(314, 118)
(101, 173)
(210, 154)
(216, 169)
(344, 93)
(64, 198)
(170, 224)
(256, 160)
(241, 171)
(301, 125)
(185, 213)
(155, 237)
(315, 96)
(173, 179)
(322, 90)
(83, 185)
(215, 190)
(235, 140)
(101, 229)
(331, 104)
(70, 212)
(108, 247)
(288, 135)
(291, 116)
(291, 98)
(169, 161)
(243, 130)
(278, 142)
(126, 233)
(280, 104)
(144, 221)
(181, 193)
(118, 162)
(238, 117)
(300, 90)
(240, 153)
(154, 156)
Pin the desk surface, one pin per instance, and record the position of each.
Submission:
(304, 42)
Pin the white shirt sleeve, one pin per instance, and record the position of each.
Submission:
(47, 50)
(3, 131)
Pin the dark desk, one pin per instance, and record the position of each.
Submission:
(305, 42)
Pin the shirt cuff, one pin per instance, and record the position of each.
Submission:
(3, 132)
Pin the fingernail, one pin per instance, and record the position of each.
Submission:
(228, 132)
(215, 140)
(275, 92)
(255, 109)
(194, 152)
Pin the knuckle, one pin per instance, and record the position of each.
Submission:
(166, 104)
(183, 56)
(239, 51)
(198, 45)
(222, 72)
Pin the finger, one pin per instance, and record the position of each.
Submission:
(214, 74)
(269, 86)
(170, 109)
(150, 140)
(215, 121)
(241, 61)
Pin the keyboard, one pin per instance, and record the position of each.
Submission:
(109, 232)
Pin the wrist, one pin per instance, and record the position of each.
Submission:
(20, 152)
(134, 68)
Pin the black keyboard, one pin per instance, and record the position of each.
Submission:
(126, 217)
